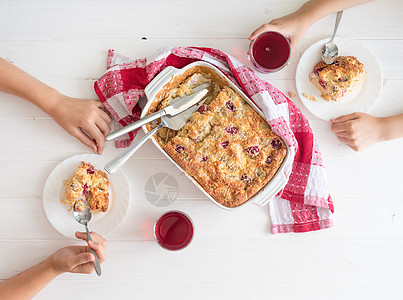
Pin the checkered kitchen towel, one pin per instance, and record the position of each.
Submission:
(304, 204)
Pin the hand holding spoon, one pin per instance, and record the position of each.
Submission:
(330, 50)
(82, 214)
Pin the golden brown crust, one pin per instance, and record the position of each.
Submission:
(339, 79)
(90, 184)
(226, 146)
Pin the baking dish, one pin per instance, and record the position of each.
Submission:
(262, 197)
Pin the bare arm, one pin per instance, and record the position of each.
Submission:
(392, 127)
(72, 114)
(315, 10)
(359, 130)
(27, 284)
(297, 23)
(75, 259)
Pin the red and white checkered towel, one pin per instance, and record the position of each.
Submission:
(304, 204)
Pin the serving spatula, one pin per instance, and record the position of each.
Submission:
(173, 122)
(177, 106)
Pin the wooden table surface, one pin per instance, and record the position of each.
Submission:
(233, 254)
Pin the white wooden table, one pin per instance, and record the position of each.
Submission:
(233, 254)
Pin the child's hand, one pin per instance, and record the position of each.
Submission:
(358, 130)
(290, 26)
(74, 115)
(78, 259)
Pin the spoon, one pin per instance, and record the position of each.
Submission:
(330, 50)
(82, 214)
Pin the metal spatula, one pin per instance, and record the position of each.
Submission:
(177, 106)
(176, 122)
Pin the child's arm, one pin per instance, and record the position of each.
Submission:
(296, 24)
(75, 259)
(72, 114)
(28, 283)
(359, 130)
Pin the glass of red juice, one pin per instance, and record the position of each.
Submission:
(270, 52)
(173, 230)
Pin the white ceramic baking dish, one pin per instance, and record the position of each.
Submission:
(267, 192)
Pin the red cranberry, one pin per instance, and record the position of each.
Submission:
(90, 170)
(252, 150)
(268, 160)
(322, 84)
(85, 189)
(203, 159)
(231, 130)
(276, 144)
(230, 106)
(337, 63)
(224, 144)
(245, 178)
(179, 148)
(317, 71)
(202, 108)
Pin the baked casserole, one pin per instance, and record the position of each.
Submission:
(226, 146)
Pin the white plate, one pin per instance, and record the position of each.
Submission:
(58, 213)
(361, 100)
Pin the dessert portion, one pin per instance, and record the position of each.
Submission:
(89, 184)
(339, 79)
(226, 146)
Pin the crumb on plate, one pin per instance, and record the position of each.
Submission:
(309, 97)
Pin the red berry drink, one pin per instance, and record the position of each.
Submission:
(173, 230)
(270, 52)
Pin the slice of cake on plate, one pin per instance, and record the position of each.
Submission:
(339, 79)
(90, 184)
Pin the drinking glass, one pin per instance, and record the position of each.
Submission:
(270, 52)
(173, 230)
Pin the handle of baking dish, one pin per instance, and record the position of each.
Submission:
(278, 183)
(158, 82)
